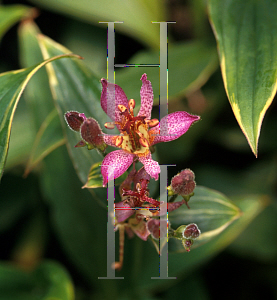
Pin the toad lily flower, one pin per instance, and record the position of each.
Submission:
(138, 133)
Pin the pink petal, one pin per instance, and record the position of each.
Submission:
(172, 127)
(109, 139)
(112, 95)
(115, 164)
(146, 95)
(150, 166)
(124, 211)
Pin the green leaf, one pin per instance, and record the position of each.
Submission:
(246, 33)
(186, 263)
(11, 14)
(210, 210)
(189, 64)
(37, 95)
(20, 144)
(137, 15)
(12, 85)
(49, 281)
(95, 178)
(74, 87)
(48, 138)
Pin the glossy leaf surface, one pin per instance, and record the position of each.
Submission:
(210, 210)
(11, 14)
(13, 84)
(49, 137)
(185, 263)
(246, 33)
(137, 15)
(74, 88)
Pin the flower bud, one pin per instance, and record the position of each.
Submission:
(183, 183)
(191, 231)
(187, 244)
(74, 120)
(92, 134)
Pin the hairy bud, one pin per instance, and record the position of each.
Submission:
(92, 134)
(191, 231)
(74, 120)
(183, 183)
(187, 244)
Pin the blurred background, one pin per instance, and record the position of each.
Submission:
(40, 221)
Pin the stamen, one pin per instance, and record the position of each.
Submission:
(152, 123)
(122, 108)
(131, 105)
(138, 187)
(119, 141)
(143, 141)
(109, 125)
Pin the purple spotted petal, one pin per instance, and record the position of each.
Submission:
(115, 164)
(146, 96)
(123, 211)
(172, 127)
(109, 139)
(150, 166)
(112, 95)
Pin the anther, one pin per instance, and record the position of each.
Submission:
(143, 141)
(131, 105)
(152, 123)
(119, 141)
(109, 125)
(122, 108)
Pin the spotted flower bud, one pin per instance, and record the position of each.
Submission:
(187, 234)
(187, 244)
(74, 120)
(183, 183)
(191, 232)
(92, 134)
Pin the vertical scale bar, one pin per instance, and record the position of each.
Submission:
(110, 70)
(163, 225)
(111, 197)
(110, 230)
(163, 77)
(163, 131)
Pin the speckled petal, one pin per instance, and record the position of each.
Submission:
(150, 166)
(146, 96)
(174, 125)
(115, 163)
(110, 139)
(108, 103)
